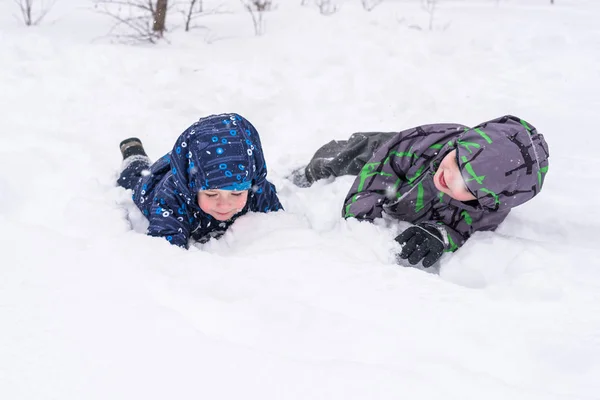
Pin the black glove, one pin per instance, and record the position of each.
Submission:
(421, 243)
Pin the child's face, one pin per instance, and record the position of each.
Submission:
(222, 204)
(449, 180)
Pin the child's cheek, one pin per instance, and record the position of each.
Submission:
(206, 203)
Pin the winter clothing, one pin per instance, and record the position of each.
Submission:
(345, 157)
(132, 147)
(503, 162)
(421, 243)
(217, 152)
(132, 170)
(135, 161)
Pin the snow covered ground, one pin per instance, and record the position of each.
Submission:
(299, 304)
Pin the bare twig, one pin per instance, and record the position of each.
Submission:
(369, 5)
(429, 6)
(139, 26)
(191, 13)
(143, 20)
(257, 8)
(326, 7)
(27, 10)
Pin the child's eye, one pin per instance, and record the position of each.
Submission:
(210, 194)
(236, 194)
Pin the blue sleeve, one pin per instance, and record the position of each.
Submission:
(169, 217)
(265, 198)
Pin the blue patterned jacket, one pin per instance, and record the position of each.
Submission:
(217, 152)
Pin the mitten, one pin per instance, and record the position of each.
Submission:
(421, 243)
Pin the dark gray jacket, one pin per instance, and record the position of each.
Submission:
(503, 162)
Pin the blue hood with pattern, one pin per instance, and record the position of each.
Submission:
(217, 152)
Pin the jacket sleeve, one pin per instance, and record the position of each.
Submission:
(400, 159)
(169, 217)
(377, 180)
(265, 198)
(455, 237)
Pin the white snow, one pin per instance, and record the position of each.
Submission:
(298, 304)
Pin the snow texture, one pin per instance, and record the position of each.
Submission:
(298, 304)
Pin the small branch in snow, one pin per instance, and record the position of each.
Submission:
(369, 5)
(27, 10)
(256, 9)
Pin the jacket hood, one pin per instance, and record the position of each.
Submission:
(503, 161)
(218, 152)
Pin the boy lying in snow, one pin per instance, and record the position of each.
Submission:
(447, 179)
(215, 173)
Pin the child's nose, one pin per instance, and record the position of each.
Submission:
(223, 202)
